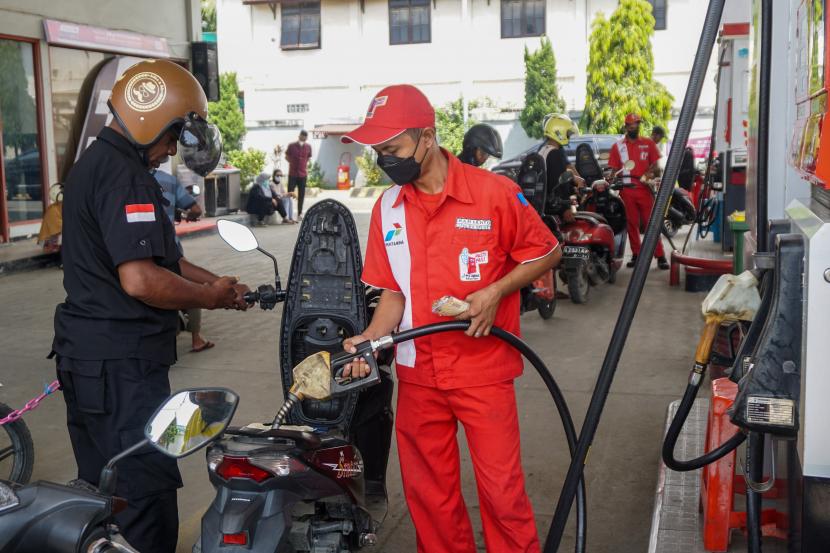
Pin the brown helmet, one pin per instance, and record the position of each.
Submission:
(155, 96)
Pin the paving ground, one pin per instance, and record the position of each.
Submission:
(622, 465)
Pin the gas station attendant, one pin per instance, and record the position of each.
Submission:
(451, 229)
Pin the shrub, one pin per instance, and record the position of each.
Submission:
(250, 163)
(367, 163)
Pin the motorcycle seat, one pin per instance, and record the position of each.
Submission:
(304, 439)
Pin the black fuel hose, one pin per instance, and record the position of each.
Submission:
(553, 388)
(697, 76)
(677, 425)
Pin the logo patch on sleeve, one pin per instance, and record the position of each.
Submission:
(140, 213)
(469, 265)
(522, 199)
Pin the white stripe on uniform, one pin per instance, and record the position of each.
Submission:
(400, 260)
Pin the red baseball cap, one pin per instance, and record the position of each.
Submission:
(632, 118)
(393, 110)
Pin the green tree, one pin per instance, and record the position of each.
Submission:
(250, 163)
(449, 122)
(208, 16)
(367, 163)
(226, 113)
(621, 72)
(541, 91)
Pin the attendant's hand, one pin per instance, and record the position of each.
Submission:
(359, 367)
(482, 312)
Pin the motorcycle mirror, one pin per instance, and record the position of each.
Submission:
(196, 190)
(237, 236)
(191, 419)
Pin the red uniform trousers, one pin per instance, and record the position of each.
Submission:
(427, 424)
(639, 202)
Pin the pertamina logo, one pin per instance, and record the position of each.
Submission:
(145, 91)
(376, 103)
(392, 234)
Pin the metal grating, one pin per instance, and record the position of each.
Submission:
(675, 524)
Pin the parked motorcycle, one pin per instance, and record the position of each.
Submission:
(300, 483)
(17, 451)
(44, 516)
(680, 211)
(592, 250)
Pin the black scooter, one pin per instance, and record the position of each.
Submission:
(48, 517)
(305, 486)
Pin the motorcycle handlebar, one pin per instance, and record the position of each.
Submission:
(265, 295)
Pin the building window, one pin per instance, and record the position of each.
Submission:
(409, 22)
(300, 25)
(522, 18)
(70, 70)
(20, 154)
(658, 10)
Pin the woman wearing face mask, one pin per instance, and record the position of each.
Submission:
(285, 198)
(263, 201)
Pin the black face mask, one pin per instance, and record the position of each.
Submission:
(401, 170)
(633, 134)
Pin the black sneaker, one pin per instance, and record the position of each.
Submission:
(662, 264)
(633, 262)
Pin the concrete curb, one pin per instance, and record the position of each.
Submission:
(367, 192)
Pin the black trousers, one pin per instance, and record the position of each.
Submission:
(108, 403)
(298, 183)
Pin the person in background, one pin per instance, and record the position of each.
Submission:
(298, 154)
(480, 142)
(285, 198)
(179, 199)
(658, 135)
(639, 199)
(263, 200)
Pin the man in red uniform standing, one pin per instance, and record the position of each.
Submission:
(639, 200)
(298, 153)
(451, 229)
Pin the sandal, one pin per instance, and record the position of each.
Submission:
(206, 345)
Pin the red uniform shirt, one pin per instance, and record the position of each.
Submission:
(642, 151)
(481, 228)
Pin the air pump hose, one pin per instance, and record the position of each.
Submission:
(679, 420)
(547, 378)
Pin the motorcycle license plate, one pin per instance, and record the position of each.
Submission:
(577, 251)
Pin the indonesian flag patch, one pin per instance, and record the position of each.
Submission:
(140, 213)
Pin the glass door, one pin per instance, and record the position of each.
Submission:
(21, 154)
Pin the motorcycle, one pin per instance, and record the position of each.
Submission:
(305, 486)
(44, 516)
(680, 211)
(592, 250)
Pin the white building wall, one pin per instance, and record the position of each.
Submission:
(466, 56)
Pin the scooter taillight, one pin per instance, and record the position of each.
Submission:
(235, 539)
(258, 467)
(241, 467)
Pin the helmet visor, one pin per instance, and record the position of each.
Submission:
(200, 145)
